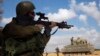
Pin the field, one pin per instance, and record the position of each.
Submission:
(96, 53)
(53, 54)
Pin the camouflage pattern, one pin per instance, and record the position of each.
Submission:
(24, 40)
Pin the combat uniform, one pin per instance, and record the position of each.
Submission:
(24, 39)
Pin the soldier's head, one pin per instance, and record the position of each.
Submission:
(25, 8)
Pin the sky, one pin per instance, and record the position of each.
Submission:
(83, 14)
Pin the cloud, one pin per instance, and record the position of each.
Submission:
(61, 15)
(90, 9)
(83, 18)
(73, 4)
(46, 8)
(52, 44)
(99, 4)
(91, 35)
(5, 21)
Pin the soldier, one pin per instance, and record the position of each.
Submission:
(22, 36)
(72, 40)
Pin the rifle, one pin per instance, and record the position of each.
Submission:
(47, 23)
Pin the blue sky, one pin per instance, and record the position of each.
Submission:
(40, 6)
(45, 6)
(83, 14)
(53, 5)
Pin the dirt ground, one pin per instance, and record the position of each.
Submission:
(96, 53)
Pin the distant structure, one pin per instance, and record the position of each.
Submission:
(78, 47)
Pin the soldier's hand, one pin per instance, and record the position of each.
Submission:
(53, 24)
(38, 27)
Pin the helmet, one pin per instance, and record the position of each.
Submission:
(24, 7)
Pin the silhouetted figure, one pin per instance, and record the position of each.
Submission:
(57, 51)
(46, 54)
(72, 40)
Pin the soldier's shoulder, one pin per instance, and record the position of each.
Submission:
(11, 23)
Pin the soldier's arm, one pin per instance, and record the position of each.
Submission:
(47, 35)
